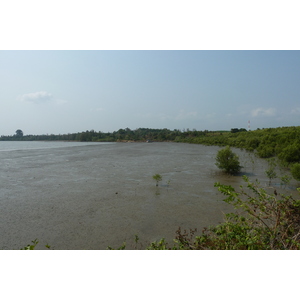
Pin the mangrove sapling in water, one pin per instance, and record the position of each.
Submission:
(250, 157)
(157, 178)
(31, 246)
(123, 247)
(168, 184)
(136, 239)
(270, 172)
(285, 180)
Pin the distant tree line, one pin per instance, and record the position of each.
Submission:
(234, 130)
(282, 142)
(138, 135)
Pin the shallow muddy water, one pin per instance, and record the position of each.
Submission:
(94, 196)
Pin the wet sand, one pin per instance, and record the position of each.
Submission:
(91, 197)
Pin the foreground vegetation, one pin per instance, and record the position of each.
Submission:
(261, 221)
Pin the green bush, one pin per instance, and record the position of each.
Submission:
(252, 143)
(295, 170)
(290, 153)
(228, 161)
(261, 221)
(265, 151)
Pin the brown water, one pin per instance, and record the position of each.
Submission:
(91, 197)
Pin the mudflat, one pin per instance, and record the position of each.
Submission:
(92, 197)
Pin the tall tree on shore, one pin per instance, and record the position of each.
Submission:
(19, 133)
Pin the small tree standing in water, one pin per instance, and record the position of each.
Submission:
(19, 133)
(158, 178)
(271, 174)
(228, 161)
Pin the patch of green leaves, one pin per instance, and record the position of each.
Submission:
(157, 178)
(228, 161)
(31, 246)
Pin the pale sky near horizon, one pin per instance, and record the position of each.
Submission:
(44, 92)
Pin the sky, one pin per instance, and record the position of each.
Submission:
(57, 92)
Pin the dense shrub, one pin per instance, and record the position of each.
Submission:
(295, 170)
(228, 161)
(262, 221)
(291, 153)
(265, 151)
(252, 143)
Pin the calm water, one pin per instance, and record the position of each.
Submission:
(94, 195)
(14, 145)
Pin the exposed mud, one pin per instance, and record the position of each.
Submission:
(91, 197)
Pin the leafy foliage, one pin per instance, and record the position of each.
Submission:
(19, 133)
(122, 247)
(31, 246)
(157, 178)
(262, 221)
(295, 170)
(290, 153)
(270, 172)
(228, 161)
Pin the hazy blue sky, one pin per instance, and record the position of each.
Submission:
(71, 91)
